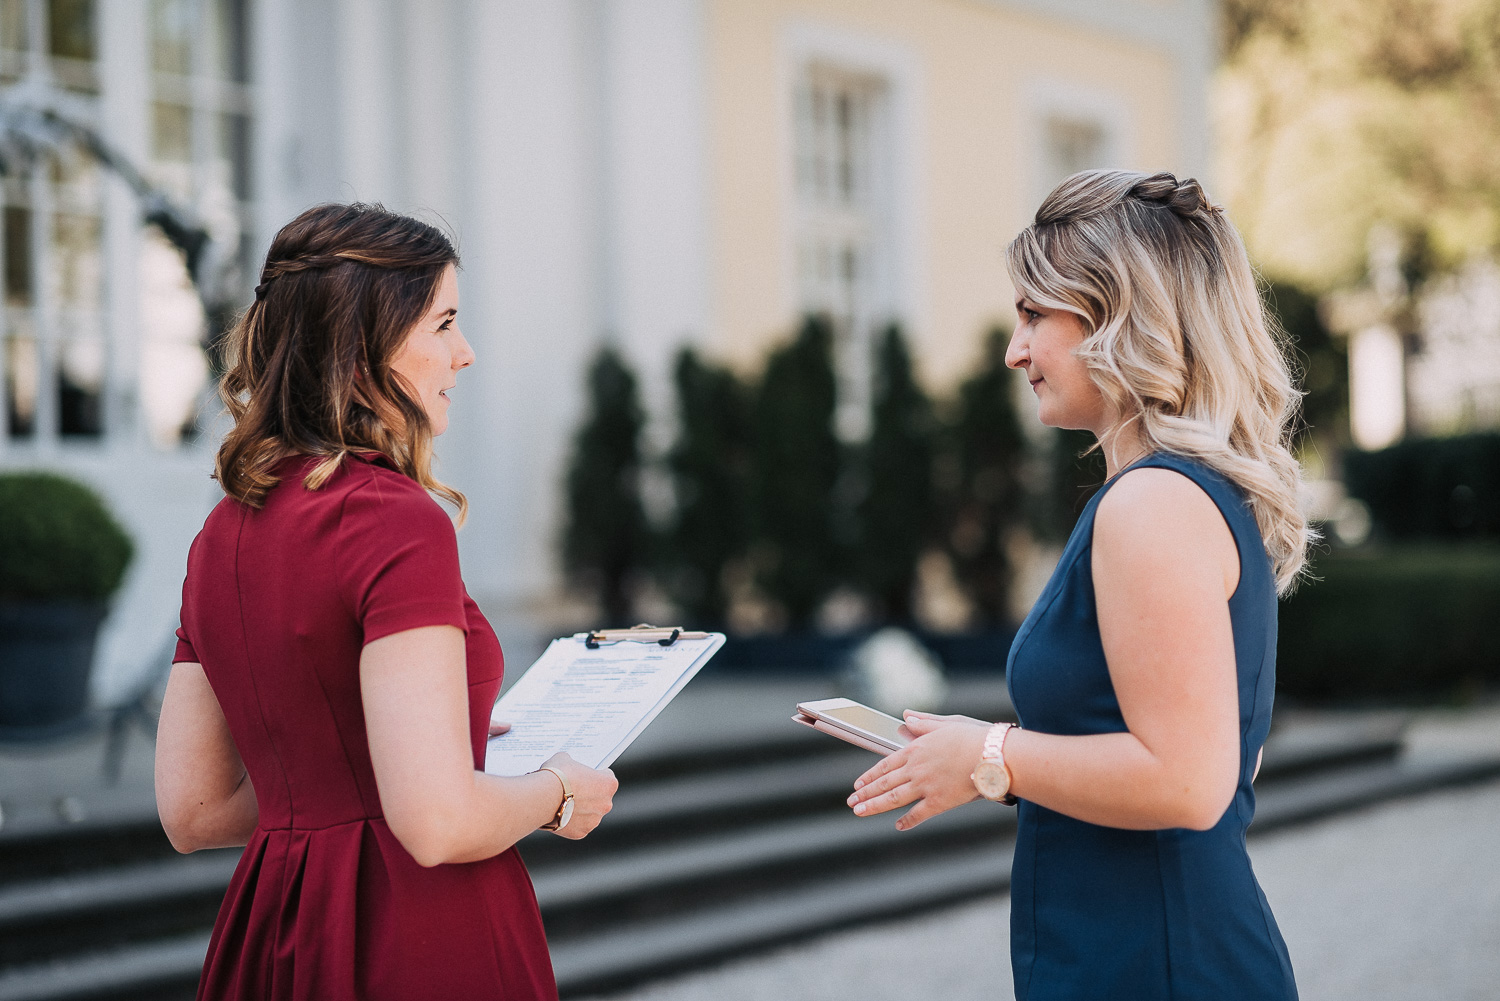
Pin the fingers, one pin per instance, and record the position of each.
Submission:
(911, 818)
(885, 783)
(497, 728)
(918, 725)
(889, 763)
(894, 799)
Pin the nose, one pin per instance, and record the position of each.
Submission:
(464, 356)
(1018, 351)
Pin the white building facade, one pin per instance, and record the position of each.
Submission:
(647, 172)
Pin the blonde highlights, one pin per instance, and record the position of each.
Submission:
(1180, 343)
(308, 365)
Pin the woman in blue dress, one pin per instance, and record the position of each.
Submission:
(1143, 676)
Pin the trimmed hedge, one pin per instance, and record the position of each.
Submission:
(1414, 621)
(1430, 488)
(57, 541)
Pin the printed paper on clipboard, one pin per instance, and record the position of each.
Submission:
(591, 700)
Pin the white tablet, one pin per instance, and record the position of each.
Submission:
(847, 720)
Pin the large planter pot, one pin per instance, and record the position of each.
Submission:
(46, 653)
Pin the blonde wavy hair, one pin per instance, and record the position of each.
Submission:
(1180, 343)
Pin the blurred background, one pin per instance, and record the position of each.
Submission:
(733, 270)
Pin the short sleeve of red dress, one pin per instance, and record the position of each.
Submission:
(398, 560)
(185, 653)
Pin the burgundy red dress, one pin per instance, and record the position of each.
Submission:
(325, 904)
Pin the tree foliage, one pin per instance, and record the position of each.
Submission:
(896, 512)
(1322, 362)
(1075, 469)
(709, 465)
(982, 494)
(606, 540)
(1335, 115)
(797, 464)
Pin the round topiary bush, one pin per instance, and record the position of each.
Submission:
(58, 542)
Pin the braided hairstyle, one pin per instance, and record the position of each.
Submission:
(1179, 343)
(308, 364)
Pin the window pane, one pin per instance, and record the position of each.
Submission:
(80, 379)
(76, 258)
(173, 369)
(70, 26)
(1072, 145)
(171, 36)
(231, 41)
(21, 376)
(172, 132)
(13, 41)
(17, 255)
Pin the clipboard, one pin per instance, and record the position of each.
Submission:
(593, 693)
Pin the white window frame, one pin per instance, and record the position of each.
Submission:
(1050, 100)
(121, 111)
(892, 288)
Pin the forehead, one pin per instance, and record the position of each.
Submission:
(446, 295)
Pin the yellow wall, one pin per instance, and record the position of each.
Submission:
(974, 161)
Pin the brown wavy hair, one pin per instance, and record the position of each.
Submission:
(308, 365)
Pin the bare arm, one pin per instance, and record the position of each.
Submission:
(1164, 565)
(415, 694)
(203, 794)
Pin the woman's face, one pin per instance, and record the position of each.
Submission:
(1043, 347)
(434, 351)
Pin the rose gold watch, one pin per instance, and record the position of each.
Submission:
(991, 777)
(564, 811)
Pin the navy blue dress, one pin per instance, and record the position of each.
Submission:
(1099, 912)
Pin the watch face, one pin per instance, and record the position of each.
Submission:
(992, 781)
(567, 813)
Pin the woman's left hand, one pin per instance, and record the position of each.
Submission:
(932, 771)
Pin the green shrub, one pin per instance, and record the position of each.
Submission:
(797, 461)
(1430, 488)
(1392, 623)
(606, 540)
(1074, 471)
(57, 541)
(981, 493)
(709, 464)
(896, 514)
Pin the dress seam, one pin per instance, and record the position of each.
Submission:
(325, 827)
(239, 594)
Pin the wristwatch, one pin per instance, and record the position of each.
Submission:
(991, 777)
(565, 811)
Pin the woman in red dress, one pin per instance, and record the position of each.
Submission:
(330, 697)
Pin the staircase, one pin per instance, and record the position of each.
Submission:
(729, 834)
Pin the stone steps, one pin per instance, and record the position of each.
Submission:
(721, 842)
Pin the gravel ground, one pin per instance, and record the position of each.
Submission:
(1400, 901)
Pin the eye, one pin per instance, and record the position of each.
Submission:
(1031, 315)
(445, 325)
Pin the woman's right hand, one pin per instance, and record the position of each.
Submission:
(593, 794)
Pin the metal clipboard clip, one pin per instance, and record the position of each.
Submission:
(643, 633)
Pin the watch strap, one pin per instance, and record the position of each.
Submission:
(994, 751)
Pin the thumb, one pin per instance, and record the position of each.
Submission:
(497, 728)
(920, 723)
